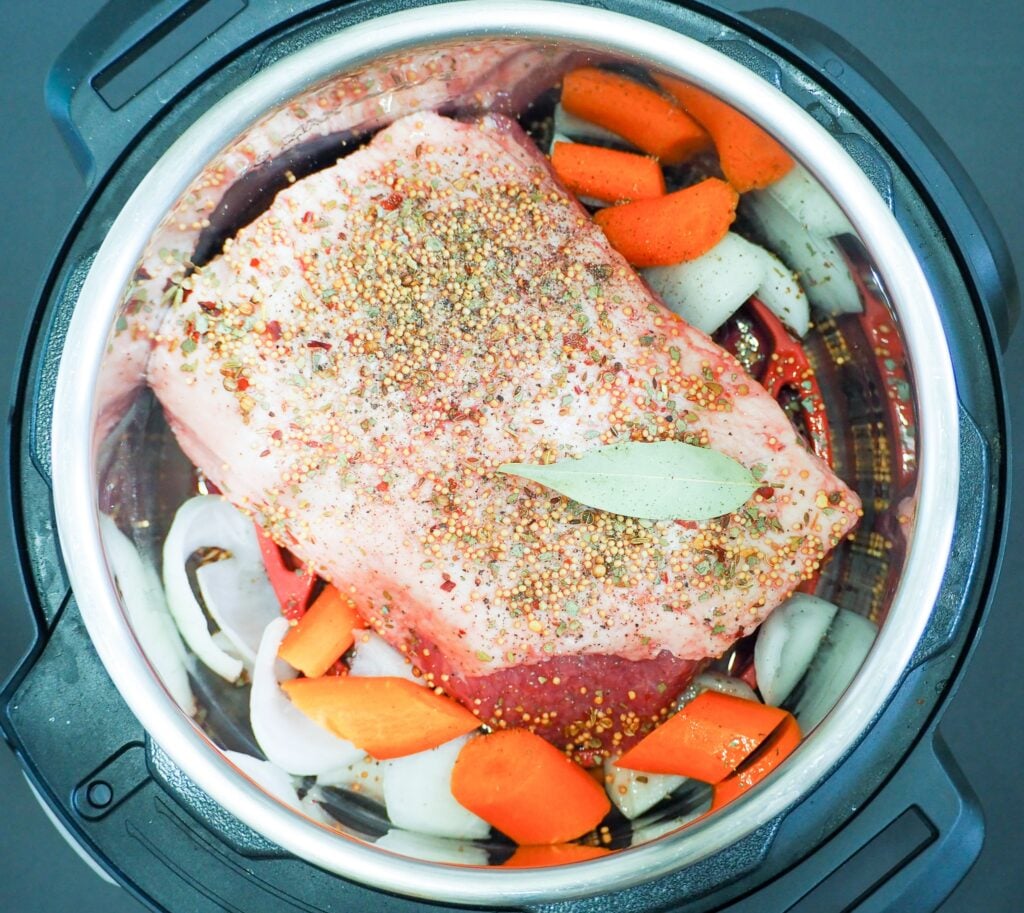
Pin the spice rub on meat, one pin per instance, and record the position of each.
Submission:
(363, 356)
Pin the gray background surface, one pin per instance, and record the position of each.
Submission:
(960, 61)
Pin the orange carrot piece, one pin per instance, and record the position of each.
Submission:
(635, 112)
(607, 174)
(707, 740)
(386, 717)
(527, 788)
(320, 637)
(779, 746)
(535, 857)
(670, 229)
(750, 157)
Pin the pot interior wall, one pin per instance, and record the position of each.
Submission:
(856, 354)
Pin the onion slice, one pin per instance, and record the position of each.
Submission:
(241, 601)
(312, 806)
(418, 794)
(207, 521)
(372, 656)
(707, 291)
(144, 603)
(837, 662)
(365, 776)
(820, 265)
(271, 779)
(288, 737)
(635, 792)
(645, 831)
(781, 292)
(809, 203)
(432, 849)
(724, 684)
(787, 642)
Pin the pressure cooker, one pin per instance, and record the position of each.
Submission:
(872, 791)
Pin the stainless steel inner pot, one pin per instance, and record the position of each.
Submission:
(84, 404)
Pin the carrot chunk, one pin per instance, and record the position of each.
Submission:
(386, 717)
(526, 788)
(607, 174)
(707, 740)
(750, 157)
(670, 229)
(779, 746)
(635, 112)
(535, 857)
(319, 638)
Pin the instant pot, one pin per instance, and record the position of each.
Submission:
(871, 812)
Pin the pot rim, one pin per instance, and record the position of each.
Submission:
(74, 469)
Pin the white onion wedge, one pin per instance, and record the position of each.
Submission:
(787, 643)
(288, 737)
(241, 601)
(365, 776)
(635, 792)
(418, 794)
(224, 643)
(372, 656)
(271, 779)
(146, 608)
(432, 849)
(705, 292)
(710, 680)
(206, 521)
(312, 806)
(810, 203)
(644, 832)
(578, 129)
(819, 263)
(724, 684)
(837, 662)
(780, 291)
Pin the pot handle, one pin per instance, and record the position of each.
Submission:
(907, 849)
(131, 61)
(872, 96)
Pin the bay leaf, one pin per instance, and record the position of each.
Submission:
(660, 480)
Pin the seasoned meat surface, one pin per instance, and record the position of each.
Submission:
(473, 74)
(362, 357)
